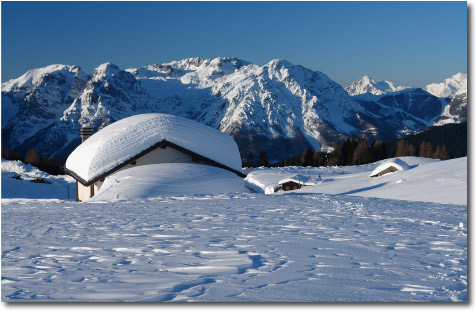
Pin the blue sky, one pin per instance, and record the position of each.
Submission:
(409, 43)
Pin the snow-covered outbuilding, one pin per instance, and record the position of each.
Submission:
(148, 139)
(294, 182)
(390, 166)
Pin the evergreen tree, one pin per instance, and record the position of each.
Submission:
(4, 152)
(10, 155)
(426, 149)
(400, 147)
(331, 161)
(337, 154)
(444, 153)
(379, 150)
(32, 157)
(362, 153)
(14, 155)
(288, 161)
(440, 153)
(384, 151)
(249, 160)
(410, 150)
(317, 159)
(422, 149)
(263, 159)
(436, 154)
(348, 148)
(404, 149)
(306, 157)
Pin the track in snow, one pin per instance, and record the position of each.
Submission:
(242, 247)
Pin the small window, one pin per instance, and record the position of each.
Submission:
(133, 163)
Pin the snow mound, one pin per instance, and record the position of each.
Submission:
(21, 168)
(396, 163)
(165, 179)
(128, 137)
(20, 180)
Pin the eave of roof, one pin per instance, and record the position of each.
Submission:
(163, 143)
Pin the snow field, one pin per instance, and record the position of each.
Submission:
(426, 180)
(234, 247)
(16, 183)
(178, 243)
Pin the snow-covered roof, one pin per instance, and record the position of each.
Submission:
(396, 163)
(127, 138)
(299, 179)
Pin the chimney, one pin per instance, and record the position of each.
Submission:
(86, 132)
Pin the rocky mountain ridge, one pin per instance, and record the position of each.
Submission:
(279, 107)
(369, 85)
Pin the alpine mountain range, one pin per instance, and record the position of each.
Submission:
(279, 107)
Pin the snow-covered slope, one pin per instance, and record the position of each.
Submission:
(368, 85)
(425, 180)
(34, 102)
(453, 110)
(279, 107)
(31, 78)
(21, 180)
(110, 95)
(279, 101)
(402, 112)
(457, 84)
(456, 88)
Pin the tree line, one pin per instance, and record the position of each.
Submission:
(352, 151)
(438, 142)
(46, 164)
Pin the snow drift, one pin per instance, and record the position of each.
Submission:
(155, 180)
(20, 180)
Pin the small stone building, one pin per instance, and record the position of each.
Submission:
(147, 139)
(389, 166)
(295, 182)
(290, 185)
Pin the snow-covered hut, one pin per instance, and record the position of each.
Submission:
(148, 139)
(389, 166)
(295, 182)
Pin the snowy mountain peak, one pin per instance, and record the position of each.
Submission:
(104, 70)
(284, 106)
(454, 85)
(31, 77)
(279, 63)
(366, 79)
(368, 85)
(210, 68)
